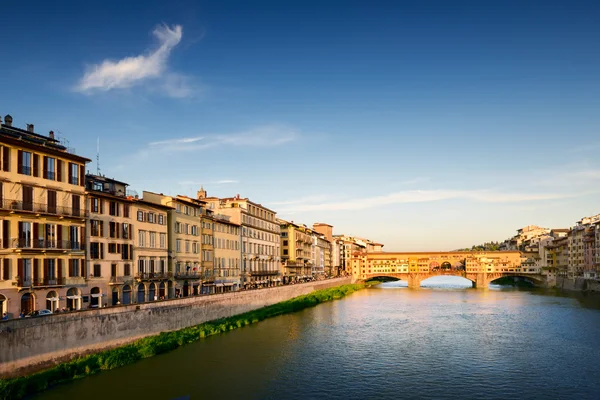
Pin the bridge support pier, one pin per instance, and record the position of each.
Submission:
(414, 282)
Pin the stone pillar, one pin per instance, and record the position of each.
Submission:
(481, 282)
(414, 282)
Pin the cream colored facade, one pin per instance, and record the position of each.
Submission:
(260, 237)
(297, 258)
(42, 223)
(152, 278)
(228, 255)
(184, 238)
(109, 239)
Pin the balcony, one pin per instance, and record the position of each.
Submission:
(153, 276)
(188, 275)
(17, 205)
(263, 272)
(42, 244)
(120, 280)
(39, 282)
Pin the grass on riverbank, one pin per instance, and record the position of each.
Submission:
(17, 388)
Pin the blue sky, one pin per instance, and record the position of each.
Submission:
(427, 125)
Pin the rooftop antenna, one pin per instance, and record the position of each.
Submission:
(98, 157)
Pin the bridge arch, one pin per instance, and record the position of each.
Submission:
(536, 281)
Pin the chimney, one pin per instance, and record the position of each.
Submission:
(8, 120)
(30, 128)
(51, 134)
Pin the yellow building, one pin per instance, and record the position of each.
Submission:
(109, 238)
(152, 279)
(42, 218)
(207, 226)
(296, 251)
(184, 235)
(228, 255)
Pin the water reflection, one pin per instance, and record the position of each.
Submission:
(387, 342)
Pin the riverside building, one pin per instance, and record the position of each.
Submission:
(42, 222)
(260, 237)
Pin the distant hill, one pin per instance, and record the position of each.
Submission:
(487, 246)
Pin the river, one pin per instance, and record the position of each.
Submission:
(388, 342)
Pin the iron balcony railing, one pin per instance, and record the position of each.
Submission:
(188, 275)
(47, 244)
(263, 272)
(18, 205)
(40, 282)
(115, 280)
(153, 276)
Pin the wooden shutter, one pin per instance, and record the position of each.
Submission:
(20, 268)
(101, 223)
(52, 201)
(45, 271)
(70, 172)
(45, 169)
(5, 233)
(1, 199)
(36, 266)
(118, 228)
(100, 204)
(102, 251)
(82, 175)
(83, 268)
(76, 203)
(59, 167)
(59, 273)
(35, 234)
(20, 161)
(36, 165)
(6, 269)
(6, 159)
(71, 267)
(59, 233)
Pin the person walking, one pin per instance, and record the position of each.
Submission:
(5, 317)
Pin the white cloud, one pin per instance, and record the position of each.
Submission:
(129, 71)
(264, 136)
(421, 196)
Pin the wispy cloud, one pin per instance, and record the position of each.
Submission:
(264, 136)
(421, 196)
(131, 71)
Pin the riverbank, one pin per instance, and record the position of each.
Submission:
(578, 284)
(16, 388)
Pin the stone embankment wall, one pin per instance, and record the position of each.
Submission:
(31, 344)
(578, 284)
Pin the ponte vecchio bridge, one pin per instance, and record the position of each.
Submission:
(480, 267)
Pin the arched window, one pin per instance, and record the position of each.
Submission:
(27, 303)
(152, 292)
(126, 295)
(141, 293)
(52, 301)
(96, 297)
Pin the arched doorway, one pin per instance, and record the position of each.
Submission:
(115, 296)
(27, 303)
(141, 293)
(95, 297)
(152, 292)
(446, 266)
(126, 295)
(73, 299)
(161, 291)
(3, 305)
(52, 301)
(186, 289)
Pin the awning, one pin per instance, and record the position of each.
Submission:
(219, 285)
(52, 298)
(97, 295)
(74, 297)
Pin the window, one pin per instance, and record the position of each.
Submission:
(114, 248)
(96, 228)
(25, 234)
(140, 216)
(161, 219)
(178, 246)
(151, 218)
(96, 251)
(95, 205)
(27, 198)
(73, 174)
(113, 228)
(187, 246)
(126, 252)
(177, 227)
(49, 168)
(285, 252)
(126, 228)
(24, 162)
(127, 269)
(113, 270)
(97, 271)
(126, 210)
(285, 242)
(152, 239)
(74, 236)
(163, 240)
(142, 239)
(113, 208)
(50, 236)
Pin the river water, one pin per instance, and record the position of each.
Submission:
(387, 342)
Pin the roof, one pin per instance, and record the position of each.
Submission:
(149, 203)
(195, 202)
(560, 230)
(104, 178)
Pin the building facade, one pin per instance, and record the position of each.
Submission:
(260, 237)
(183, 244)
(296, 251)
(228, 255)
(42, 219)
(109, 238)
